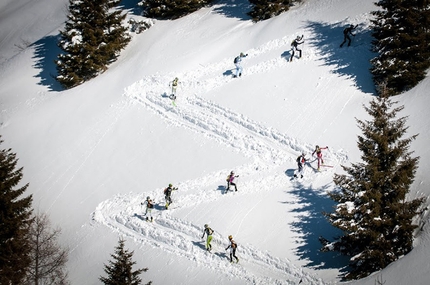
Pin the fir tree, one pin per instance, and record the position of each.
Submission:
(372, 210)
(92, 39)
(119, 271)
(171, 9)
(266, 9)
(15, 218)
(402, 41)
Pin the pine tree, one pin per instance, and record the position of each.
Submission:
(372, 210)
(402, 40)
(172, 9)
(266, 9)
(15, 217)
(92, 39)
(119, 271)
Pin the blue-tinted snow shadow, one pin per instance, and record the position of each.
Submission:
(312, 224)
(233, 9)
(131, 6)
(353, 61)
(46, 51)
(286, 54)
(228, 72)
(200, 244)
(229, 8)
(222, 189)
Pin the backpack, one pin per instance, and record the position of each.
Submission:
(150, 204)
(210, 231)
(167, 191)
(299, 158)
(228, 178)
(236, 59)
(233, 244)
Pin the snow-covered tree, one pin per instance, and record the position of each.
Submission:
(120, 269)
(92, 39)
(373, 210)
(48, 259)
(171, 9)
(15, 218)
(266, 9)
(401, 31)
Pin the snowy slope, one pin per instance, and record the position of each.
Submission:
(93, 153)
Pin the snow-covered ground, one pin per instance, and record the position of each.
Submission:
(93, 153)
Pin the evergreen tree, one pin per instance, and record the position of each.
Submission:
(266, 9)
(402, 40)
(92, 39)
(171, 9)
(372, 210)
(119, 271)
(15, 217)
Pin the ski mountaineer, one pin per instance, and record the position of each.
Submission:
(168, 195)
(174, 85)
(319, 155)
(346, 32)
(237, 63)
(208, 231)
(149, 206)
(294, 44)
(232, 246)
(300, 162)
(230, 179)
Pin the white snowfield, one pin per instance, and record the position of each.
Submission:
(92, 154)
(269, 149)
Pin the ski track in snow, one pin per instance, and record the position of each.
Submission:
(269, 149)
(181, 238)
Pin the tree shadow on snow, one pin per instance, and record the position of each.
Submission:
(131, 6)
(46, 52)
(353, 61)
(311, 225)
(233, 9)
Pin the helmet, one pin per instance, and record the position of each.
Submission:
(147, 198)
(206, 225)
(170, 185)
(242, 54)
(352, 26)
(230, 237)
(317, 146)
(232, 172)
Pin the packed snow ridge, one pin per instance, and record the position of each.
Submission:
(267, 147)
